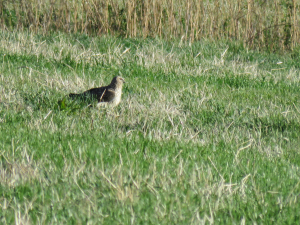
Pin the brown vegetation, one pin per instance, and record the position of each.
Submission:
(259, 24)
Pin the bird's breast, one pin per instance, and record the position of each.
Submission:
(116, 100)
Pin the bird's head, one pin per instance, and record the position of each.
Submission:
(118, 81)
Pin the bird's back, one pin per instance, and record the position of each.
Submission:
(102, 94)
(110, 94)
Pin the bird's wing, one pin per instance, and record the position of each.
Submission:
(102, 94)
(95, 92)
(108, 95)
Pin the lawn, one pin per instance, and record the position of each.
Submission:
(206, 132)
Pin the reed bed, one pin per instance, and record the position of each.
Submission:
(260, 24)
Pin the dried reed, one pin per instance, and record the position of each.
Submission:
(259, 24)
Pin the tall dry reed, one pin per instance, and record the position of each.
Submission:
(259, 24)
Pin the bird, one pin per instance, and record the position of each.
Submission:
(108, 95)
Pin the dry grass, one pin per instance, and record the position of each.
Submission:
(196, 137)
(146, 103)
(258, 24)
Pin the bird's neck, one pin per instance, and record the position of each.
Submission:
(115, 86)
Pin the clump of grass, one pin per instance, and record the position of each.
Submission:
(259, 25)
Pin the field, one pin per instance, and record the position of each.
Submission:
(206, 133)
(269, 25)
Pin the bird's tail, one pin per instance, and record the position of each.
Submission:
(72, 95)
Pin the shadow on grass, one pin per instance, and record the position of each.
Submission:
(42, 100)
(273, 123)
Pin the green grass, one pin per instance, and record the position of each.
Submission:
(205, 133)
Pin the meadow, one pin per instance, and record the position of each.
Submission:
(207, 132)
(258, 24)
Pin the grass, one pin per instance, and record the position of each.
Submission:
(268, 25)
(206, 133)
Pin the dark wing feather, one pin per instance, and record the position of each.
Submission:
(107, 96)
(94, 92)
(102, 94)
